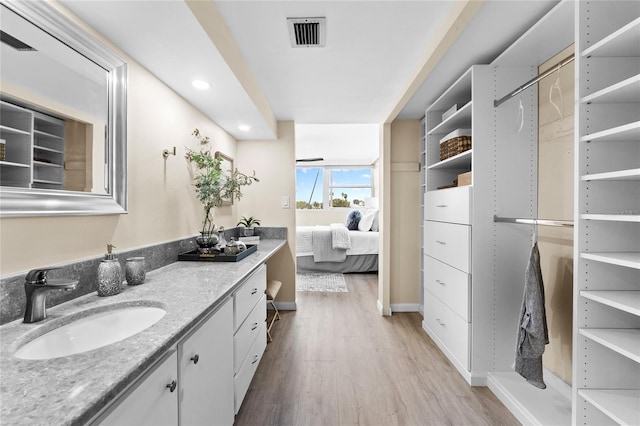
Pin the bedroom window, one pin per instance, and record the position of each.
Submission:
(349, 187)
(309, 187)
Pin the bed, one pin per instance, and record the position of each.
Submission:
(334, 248)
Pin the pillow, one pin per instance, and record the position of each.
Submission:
(366, 221)
(353, 219)
(376, 221)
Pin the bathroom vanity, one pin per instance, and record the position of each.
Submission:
(192, 366)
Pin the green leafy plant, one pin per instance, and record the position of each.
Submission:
(249, 222)
(213, 185)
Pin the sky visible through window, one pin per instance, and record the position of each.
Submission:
(306, 176)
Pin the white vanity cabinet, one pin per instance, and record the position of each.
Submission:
(196, 381)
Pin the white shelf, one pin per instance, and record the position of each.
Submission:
(631, 174)
(461, 119)
(13, 131)
(624, 300)
(627, 259)
(623, 42)
(462, 160)
(626, 91)
(11, 164)
(459, 92)
(43, 164)
(612, 217)
(47, 182)
(42, 148)
(47, 135)
(626, 132)
(625, 341)
(620, 405)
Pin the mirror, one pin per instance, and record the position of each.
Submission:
(62, 117)
(227, 168)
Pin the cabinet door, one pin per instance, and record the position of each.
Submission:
(206, 372)
(151, 401)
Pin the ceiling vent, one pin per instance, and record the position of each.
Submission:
(307, 32)
(10, 40)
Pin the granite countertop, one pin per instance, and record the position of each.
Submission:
(72, 389)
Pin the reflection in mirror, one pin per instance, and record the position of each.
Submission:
(227, 168)
(62, 117)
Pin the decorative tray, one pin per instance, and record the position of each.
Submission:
(217, 256)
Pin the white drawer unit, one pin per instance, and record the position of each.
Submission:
(448, 284)
(449, 243)
(248, 331)
(248, 295)
(450, 331)
(249, 366)
(451, 205)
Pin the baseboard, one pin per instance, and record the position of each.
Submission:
(405, 307)
(284, 306)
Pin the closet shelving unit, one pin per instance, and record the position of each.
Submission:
(423, 189)
(48, 152)
(607, 254)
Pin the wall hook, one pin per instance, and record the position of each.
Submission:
(166, 153)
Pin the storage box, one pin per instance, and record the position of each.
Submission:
(2, 152)
(464, 179)
(454, 146)
(448, 113)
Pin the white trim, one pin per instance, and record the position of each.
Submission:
(380, 308)
(405, 307)
(284, 306)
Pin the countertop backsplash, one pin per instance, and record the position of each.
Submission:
(12, 295)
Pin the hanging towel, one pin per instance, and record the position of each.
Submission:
(532, 328)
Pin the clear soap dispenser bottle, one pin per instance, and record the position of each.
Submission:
(109, 274)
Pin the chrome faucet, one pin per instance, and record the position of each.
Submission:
(36, 287)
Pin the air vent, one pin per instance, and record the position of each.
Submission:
(307, 32)
(10, 40)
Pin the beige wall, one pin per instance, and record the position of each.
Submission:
(405, 212)
(162, 203)
(274, 164)
(555, 201)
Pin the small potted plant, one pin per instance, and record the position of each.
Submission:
(248, 223)
(213, 185)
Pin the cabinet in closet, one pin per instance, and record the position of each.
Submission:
(423, 189)
(607, 256)
(48, 151)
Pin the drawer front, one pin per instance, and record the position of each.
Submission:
(449, 205)
(449, 243)
(248, 331)
(248, 295)
(448, 284)
(243, 377)
(453, 331)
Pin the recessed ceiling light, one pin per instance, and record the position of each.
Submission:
(200, 84)
(244, 127)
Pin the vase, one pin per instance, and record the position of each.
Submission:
(207, 241)
(134, 270)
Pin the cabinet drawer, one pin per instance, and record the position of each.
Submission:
(449, 205)
(453, 331)
(448, 284)
(248, 331)
(248, 295)
(449, 243)
(250, 365)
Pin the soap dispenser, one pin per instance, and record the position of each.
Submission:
(109, 274)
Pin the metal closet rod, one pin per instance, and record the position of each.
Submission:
(525, 221)
(534, 80)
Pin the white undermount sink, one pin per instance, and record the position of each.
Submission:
(91, 332)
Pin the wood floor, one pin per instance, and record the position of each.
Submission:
(336, 361)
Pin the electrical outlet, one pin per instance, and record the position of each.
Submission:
(285, 202)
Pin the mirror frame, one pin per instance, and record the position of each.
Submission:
(21, 202)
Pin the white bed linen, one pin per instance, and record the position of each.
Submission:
(361, 242)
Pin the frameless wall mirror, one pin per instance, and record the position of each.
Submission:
(62, 117)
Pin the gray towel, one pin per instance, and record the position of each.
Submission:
(323, 250)
(532, 327)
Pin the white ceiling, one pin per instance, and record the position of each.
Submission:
(373, 47)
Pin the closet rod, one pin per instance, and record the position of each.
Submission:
(534, 80)
(545, 222)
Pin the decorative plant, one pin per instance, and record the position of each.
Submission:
(213, 185)
(249, 222)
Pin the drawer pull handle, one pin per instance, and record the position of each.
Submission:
(440, 282)
(255, 325)
(440, 322)
(255, 359)
(172, 386)
(441, 205)
(254, 291)
(441, 242)
(195, 358)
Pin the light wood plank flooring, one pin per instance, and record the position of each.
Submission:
(336, 361)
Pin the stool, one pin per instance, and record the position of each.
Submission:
(273, 287)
